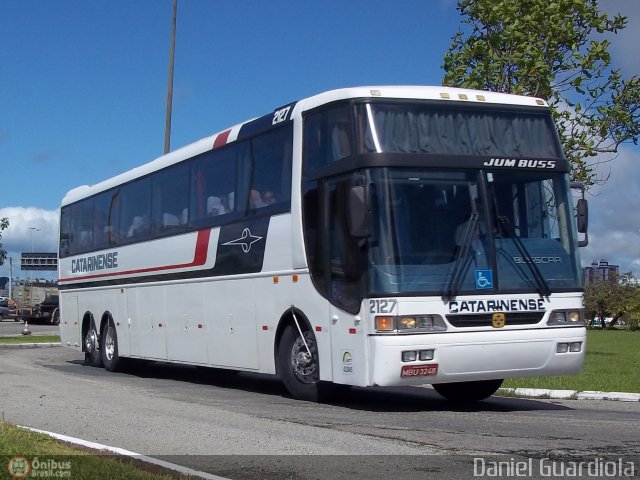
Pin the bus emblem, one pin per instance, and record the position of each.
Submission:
(245, 241)
(498, 320)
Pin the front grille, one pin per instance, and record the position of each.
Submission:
(485, 319)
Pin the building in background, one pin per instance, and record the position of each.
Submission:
(600, 272)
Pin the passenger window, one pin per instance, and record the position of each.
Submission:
(135, 211)
(66, 236)
(82, 227)
(213, 186)
(271, 176)
(171, 200)
(327, 138)
(102, 217)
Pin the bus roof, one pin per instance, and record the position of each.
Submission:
(228, 135)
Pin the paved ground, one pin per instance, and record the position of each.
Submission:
(11, 327)
(204, 419)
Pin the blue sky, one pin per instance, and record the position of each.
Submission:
(83, 89)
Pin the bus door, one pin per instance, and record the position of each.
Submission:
(343, 253)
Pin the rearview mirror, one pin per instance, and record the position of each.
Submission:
(582, 209)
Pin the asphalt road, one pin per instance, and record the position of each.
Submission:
(11, 327)
(244, 426)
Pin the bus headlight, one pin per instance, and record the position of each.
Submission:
(410, 324)
(564, 318)
(407, 323)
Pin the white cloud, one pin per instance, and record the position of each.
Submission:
(614, 215)
(20, 237)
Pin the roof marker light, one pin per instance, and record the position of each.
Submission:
(463, 96)
(444, 95)
(480, 98)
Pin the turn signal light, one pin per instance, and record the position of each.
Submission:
(385, 324)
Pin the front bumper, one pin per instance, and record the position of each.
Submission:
(480, 355)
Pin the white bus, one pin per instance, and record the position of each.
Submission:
(364, 236)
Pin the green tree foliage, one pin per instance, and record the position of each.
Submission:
(4, 223)
(615, 298)
(556, 50)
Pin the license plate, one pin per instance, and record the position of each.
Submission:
(419, 370)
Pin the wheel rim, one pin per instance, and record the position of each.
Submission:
(90, 341)
(109, 345)
(305, 365)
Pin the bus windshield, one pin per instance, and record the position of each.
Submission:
(522, 229)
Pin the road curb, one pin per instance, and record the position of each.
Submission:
(570, 394)
(189, 472)
(30, 345)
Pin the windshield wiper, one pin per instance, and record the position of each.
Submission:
(458, 270)
(507, 227)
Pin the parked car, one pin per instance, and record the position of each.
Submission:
(7, 307)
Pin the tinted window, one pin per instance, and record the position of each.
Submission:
(327, 137)
(135, 211)
(271, 177)
(171, 200)
(213, 185)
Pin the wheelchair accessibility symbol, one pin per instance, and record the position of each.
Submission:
(484, 279)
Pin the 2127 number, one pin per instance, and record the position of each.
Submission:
(382, 305)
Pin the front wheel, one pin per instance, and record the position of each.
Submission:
(299, 366)
(468, 392)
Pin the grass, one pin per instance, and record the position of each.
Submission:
(42, 451)
(31, 339)
(612, 364)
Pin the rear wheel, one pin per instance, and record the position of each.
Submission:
(299, 365)
(468, 392)
(92, 355)
(109, 343)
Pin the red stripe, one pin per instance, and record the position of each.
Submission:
(199, 259)
(221, 139)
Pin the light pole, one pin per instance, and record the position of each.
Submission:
(167, 129)
(33, 229)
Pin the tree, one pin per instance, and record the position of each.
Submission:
(4, 224)
(614, 298)
(554, 50)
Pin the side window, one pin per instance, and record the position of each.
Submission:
(135, 211)
(213, 186)
(271, 176)
(327, 138)
(171, 200)
(66, 237)
(103, 236)
(344, 289)
(82, 226)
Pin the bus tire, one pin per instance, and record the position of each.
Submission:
(55, 320)
(92, 356)
(109, 349)
(299, 372)
(468, 392)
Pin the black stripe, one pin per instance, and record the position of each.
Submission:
(241, 248)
